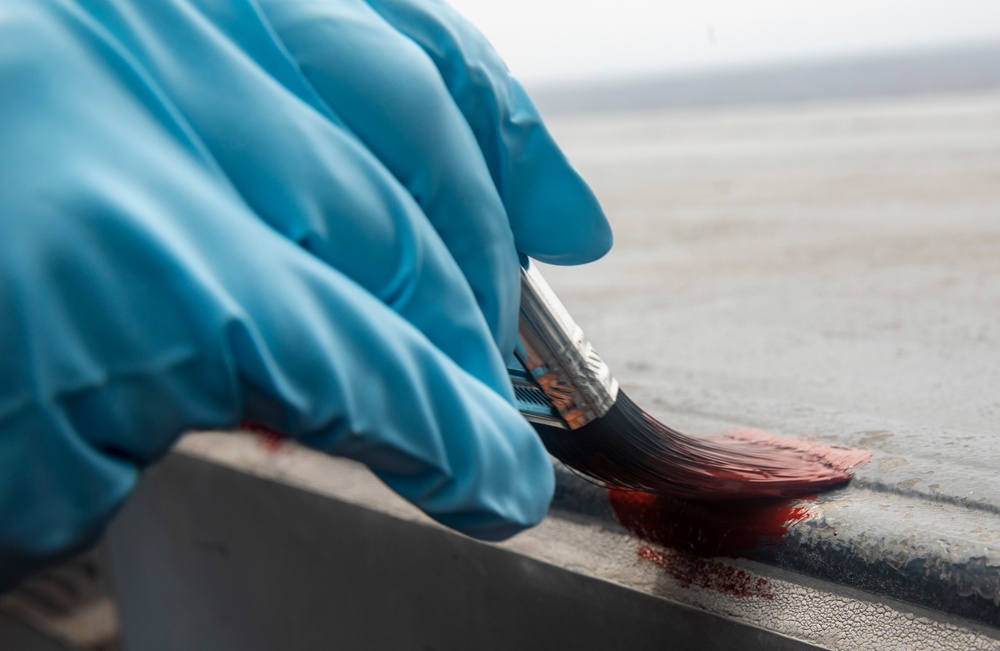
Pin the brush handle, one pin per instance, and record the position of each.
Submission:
(564, 382)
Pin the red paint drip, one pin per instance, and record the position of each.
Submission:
(690, 571)
(270, 440)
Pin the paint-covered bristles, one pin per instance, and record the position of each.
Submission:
(628, 448)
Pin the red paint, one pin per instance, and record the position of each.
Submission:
(709, 574)
(706, 528)
(837, 458)
(753, 463)
(736, 477)
(696, 531)
(267, 438)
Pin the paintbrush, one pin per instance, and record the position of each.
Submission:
(587, 422)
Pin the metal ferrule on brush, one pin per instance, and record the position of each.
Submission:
(564, 383)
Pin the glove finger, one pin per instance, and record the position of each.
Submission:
(286, 341)
(335, 199)
(141, 300)
(391, 97)
(247, 325)
(311, 353)
(370, 387)
(554, 215)
(298, 168)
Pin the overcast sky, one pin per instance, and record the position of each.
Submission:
(543, 40)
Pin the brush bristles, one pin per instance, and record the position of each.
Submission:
(630, 449)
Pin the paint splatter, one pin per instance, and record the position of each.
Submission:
(688, 570)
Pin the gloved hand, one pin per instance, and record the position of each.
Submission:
(302, 212)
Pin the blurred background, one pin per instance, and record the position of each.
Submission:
(805, 198)
(562, 40)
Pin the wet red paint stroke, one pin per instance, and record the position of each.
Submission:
(688, 571)
(706, 529)
(814, 455)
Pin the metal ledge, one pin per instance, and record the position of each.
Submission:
(265, 565)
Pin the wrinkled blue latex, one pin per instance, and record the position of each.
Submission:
(306, 213)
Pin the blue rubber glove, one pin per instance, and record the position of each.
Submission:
(302, 212)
